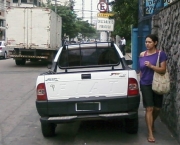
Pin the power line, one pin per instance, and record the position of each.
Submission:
(89, 17)
(85, 11)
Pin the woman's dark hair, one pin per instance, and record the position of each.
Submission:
(153, 37)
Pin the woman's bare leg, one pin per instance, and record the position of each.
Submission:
(149, 122)
(155, 115)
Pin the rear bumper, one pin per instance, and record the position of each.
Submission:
(88, 108)
(64, 119)
(28, 56)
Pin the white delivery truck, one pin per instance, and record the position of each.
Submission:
(32, 34)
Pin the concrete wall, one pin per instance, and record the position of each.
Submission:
(166, 24)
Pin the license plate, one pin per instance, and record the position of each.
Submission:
(88, 106)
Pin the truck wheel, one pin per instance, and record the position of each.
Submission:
(23, 61)
(5, 55)
(18, 62)
(48, 129)
(33, 60)
(131, 125)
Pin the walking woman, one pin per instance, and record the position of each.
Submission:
(152, 102)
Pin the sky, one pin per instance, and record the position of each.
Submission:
(90, 8)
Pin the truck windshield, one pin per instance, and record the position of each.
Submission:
(88, 56)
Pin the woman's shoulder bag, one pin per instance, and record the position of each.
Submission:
(161, 82)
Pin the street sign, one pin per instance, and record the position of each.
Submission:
(104, 15)
(102, 6)
(150, 5)
(105, 24)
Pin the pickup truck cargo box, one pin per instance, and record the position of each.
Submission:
(33, 28)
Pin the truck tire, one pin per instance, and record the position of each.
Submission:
(23, 61)
(48, 129)
(20, 62)
(5, 55)
(33, 60)
(131, 125)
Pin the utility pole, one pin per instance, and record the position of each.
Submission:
(91, 11)
(19, 3)
(82, 9)
(56, 6)
(4, 22)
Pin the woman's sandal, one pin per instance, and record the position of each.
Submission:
(151, 140)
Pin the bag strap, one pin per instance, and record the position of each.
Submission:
(157, 63)
(145, 53)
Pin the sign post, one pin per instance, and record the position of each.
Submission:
(104, 24)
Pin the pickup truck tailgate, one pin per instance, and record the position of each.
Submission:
(76, 85)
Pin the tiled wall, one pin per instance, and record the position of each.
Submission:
(166, 24)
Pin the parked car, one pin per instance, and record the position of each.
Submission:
(88, 81)
(73, 42)
(3, 50)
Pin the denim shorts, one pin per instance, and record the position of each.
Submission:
(150, 98)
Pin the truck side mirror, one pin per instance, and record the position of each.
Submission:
(129, 62)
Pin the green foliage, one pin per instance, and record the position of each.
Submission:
(85, 28)
(71, 26)
(126, 14)
(68, 21)
(128, 46)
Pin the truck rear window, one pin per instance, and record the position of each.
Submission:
(88, 56)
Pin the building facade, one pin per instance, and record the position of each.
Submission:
(3, 5)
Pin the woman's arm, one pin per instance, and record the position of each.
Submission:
(161, 69)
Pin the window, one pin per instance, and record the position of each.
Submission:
(23, 1)
(88, 56)
(15, 1)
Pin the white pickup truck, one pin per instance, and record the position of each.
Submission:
(88, 81)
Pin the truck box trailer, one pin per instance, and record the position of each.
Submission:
(32, 33)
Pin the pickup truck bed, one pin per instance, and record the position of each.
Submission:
(88, 81)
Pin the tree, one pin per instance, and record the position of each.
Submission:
(85, 28)
(126, 14)
(68, 21)
(71, 26)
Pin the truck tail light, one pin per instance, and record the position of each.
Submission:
(133, 88)
(41, 92)
(0, 48)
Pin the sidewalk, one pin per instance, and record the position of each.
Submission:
(128, 56)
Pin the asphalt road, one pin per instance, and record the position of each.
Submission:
(19, 120)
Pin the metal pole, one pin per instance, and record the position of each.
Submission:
(4, 22)
(55, 6)
(19, 3)
(56, 20)
(108, 6)
(108, 12)
(91, 11)
(82, 9)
